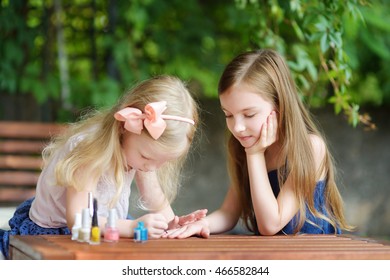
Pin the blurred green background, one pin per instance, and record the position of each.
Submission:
(62, 56)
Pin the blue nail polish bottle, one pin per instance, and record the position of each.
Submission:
(140, 233)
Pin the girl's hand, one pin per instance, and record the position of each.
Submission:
(268, 135)
(199, 228)
(178, 222)
(156, 224)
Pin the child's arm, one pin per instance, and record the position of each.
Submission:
(75, 203)
(154, 198)
(272, 214)
(152, 195)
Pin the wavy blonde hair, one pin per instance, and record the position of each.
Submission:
(266, 71)
(100, 149)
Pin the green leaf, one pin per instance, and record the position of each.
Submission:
(298, 30)
(324, 44)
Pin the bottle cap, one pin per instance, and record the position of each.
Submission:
(95, 216)
(86, 218)
(90, 203)
(111, 221)
(77, 219)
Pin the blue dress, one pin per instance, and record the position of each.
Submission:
(319, 226)
(21, 224)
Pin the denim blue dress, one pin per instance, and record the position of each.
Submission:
(316, 225)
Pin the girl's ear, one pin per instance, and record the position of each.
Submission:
(122, 132)
(122, 129)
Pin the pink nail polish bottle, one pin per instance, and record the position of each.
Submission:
(111, 232)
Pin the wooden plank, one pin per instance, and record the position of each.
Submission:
(15, 195)
(10, 129)
(20, 162)
(20, 178)
(22, 146)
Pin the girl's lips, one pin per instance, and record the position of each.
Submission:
(244, 138)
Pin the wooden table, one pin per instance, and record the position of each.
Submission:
(217, 247)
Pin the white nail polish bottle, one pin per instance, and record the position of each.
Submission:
(85, 231)
(76, 227)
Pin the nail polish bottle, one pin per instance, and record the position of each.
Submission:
(140, 233)
(95, 230)
(85, 231)
(76, 227)
(111, 232)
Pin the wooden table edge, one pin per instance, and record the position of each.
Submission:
(26, 249)
(45, 247)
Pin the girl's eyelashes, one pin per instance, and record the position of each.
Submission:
(245, 114)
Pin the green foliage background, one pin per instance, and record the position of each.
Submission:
(85, 53)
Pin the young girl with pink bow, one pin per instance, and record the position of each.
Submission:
(145, 137)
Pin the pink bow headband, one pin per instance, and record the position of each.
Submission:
(152, 119)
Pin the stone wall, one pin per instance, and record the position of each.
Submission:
(362, 158)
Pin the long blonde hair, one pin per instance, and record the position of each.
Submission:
(100, 149)
(266, 71)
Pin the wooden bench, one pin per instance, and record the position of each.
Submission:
(21, 145)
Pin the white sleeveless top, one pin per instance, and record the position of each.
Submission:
(48, 209)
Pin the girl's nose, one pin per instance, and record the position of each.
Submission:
(239, 126)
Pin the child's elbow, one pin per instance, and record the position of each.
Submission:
(268, 230)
